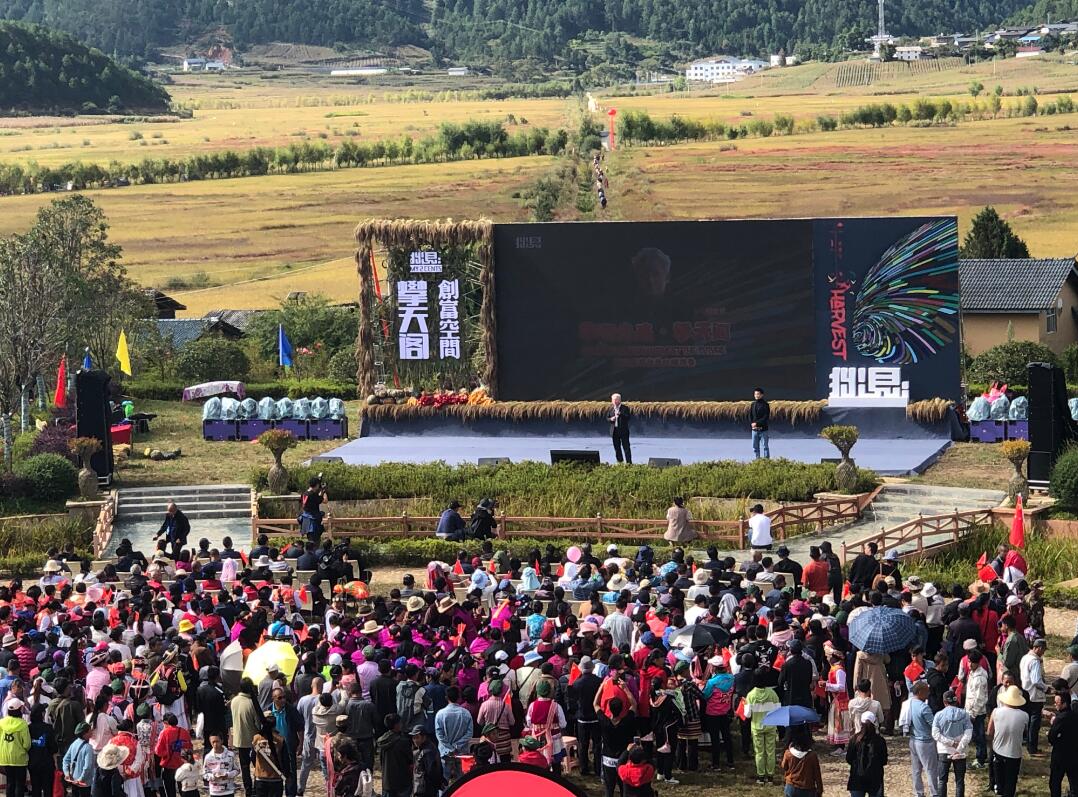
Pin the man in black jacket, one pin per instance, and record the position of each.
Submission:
(787, 565)
(397, 759)
(759, 417)
(795, 678)
(864, 569)
(210, 699)
(581, 694)
(176, 528)
(619, 418)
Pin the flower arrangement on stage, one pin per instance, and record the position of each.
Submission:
(426, 399)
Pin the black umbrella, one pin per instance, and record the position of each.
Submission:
(699, 635)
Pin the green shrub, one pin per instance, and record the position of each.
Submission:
(23, 543)
(533, 489)
(1063, 483)
(51, 477)
(1069, 360)
(1061, 597)
(209, 359)
(1007, 362)
(342, 366)
(158, 390)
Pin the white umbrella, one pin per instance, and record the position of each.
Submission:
(232, 666)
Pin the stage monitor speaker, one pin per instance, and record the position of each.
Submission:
(663, 462)
(569, 455)
(93, 417)
(1050, 423)
(493, 461)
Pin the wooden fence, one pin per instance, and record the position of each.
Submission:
(929, 534)
(786, 521)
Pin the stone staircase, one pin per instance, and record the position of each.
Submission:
(894, 505)
(197, 502)
(215, 511)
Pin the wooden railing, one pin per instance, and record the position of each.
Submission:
(929, 535)
(103, 526)
(786, 521)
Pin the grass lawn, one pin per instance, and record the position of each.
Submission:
(179, 425)
(976, 465)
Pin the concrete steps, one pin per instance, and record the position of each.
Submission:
(198, 502)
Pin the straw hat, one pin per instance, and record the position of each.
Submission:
(929, 590)
(263, 561)
(111, 756)
(52, 566)
(978, 587)
(617, 583)
(415, 604)
(914, 584)
(701, 576)
(371, 627)
(446, 603)
(1012, 696)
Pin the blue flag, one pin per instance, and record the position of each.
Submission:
(87, 363)
(284, 348)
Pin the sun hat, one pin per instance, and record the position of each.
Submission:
(186, 626)
(1012, 696)
(869, 716)
(415, 604)
(532, 657)
(9, 640)
(1013, 600)
(342, 719)
(969, 644)
(588, 627)
(701, 576)
(929, 590)
(914, 583)
(617, 583)
(892, 555)
(446, 603)
(111, 756)
(371, 627)
(52, 566)
(717, 661)
(263, 560)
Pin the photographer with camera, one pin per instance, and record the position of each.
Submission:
(311, 514)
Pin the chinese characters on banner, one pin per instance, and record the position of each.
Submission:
(413, 311)
(868, 387)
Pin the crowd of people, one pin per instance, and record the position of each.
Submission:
(140, 680)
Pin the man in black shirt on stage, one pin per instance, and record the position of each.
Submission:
(759, 417)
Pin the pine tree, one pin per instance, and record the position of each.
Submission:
(991, 237)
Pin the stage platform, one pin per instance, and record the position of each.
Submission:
(891, 444)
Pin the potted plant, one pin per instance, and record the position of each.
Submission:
(843, 438)
(84, 448)
(277, 441)
(1016, 451)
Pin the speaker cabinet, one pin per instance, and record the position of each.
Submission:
(93, 418)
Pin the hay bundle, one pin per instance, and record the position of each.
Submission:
(931, 410)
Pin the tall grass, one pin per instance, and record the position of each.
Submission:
(532, 489)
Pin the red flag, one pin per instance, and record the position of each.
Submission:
(574, 673)
(561, 571)
(694, 568)
(987, 574)
(458, 568)
(982, 561)
(60, 399)
(508, 699)
(1018, 530)
(740, 712)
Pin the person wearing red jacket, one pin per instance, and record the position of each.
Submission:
(531, 754)
(636, 773)
(172, 741)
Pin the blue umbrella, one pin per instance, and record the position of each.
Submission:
(788, 716)
(882, 629)
(87, 363)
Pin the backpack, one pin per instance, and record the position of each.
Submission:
(406, 702)
(169, 676)
(720, 703)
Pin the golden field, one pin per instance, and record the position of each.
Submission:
(256, 239)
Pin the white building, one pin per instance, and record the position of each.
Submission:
(723, 69)
(194, 64)
(458, 71)
(215, 66)
(909, 52)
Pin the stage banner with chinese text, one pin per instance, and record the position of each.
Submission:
(655, 310)
(428, 320)
(887, 308)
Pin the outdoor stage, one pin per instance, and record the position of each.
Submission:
(886, 457)
(890, 443)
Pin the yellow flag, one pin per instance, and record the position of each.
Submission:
(122, 354)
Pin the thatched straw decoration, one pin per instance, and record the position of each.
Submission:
(792, 412)
(929, 410)
(404, 233)
(365, 338)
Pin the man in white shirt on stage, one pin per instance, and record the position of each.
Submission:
(759, 529)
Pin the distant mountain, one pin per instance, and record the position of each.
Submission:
(46, 71)
(1046, 10)
(508, 30)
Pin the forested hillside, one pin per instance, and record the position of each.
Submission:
(46, 71)
(487, 31)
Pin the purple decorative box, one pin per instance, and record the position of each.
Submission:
(219, 430)
(986, 431)
(329, 429)
(1017, 430)
(296, 427)
(251, 428)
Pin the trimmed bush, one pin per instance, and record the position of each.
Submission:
(157, 390)
(1063, 483)
(533, 489)
(342, 367)
(210, 359)
(54, 439)
(50, 476)
(1007, 362)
